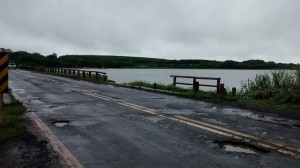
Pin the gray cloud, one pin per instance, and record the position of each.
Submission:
(173, 29)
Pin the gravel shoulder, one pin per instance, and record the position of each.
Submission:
(29, 149)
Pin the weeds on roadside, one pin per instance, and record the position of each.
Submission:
(185, 92)
(12, 125)
(280, 87)
(159, 86)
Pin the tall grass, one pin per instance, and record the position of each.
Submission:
(12, 125)
(279, 87)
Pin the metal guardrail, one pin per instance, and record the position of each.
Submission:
(196, 84)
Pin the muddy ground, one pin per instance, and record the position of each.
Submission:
(28, 150)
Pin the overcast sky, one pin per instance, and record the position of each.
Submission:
(173, 29)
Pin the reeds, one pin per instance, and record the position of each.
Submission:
(279, 87)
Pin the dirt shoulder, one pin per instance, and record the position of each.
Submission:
(28, 149)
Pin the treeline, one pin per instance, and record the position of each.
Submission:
(22, 58)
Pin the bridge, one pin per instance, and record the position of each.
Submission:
(101, 125)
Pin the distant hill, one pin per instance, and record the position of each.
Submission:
(108, 61)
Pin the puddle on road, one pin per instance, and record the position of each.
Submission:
(178, 112)
(154, 119)
(18, 91)
(57, 107)
(260, 117)
(61, 123)
(36, 100)
(240, 147)
(214, 121)
(231, 148)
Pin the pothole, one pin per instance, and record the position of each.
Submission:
(297, 125)
(36, 100)
(240, 147)
(61, 123)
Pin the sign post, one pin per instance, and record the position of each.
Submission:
(3, 81)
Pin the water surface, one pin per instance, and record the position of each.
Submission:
(231, 78)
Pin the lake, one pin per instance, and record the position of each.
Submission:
(231, 78)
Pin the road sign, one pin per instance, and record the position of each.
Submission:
(3, 72)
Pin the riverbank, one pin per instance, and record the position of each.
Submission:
(287, 107)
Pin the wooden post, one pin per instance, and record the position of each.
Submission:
(73, 72)
(90, 74)
(78, 74)
(1, 110)
(97, 75)
(154, 86)
(218, 85)
(174, 81)
(222, 88)
(233, 92)
(83, 74)
(196, 86)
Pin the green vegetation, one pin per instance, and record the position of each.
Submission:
(278, 88)
(178, 91)
(22, 58)
(12, 120)
(159, 86)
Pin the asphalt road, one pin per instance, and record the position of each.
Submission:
(111, 126)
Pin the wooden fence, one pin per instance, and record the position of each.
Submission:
(196, 84)
(72, 72)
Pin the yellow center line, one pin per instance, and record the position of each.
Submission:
(205, 126)
(219, 128)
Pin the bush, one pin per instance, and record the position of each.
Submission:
(280, 87)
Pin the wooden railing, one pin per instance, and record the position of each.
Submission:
(72, 72)
(196, 84)
(78, 73)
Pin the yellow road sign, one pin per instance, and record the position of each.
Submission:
(3, 72)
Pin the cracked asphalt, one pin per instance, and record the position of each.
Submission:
(108, 126)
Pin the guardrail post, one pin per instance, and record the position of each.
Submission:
(83, 74)
(105, 78)
(218, 85)
(195, 85)
(233, 91)
(97, 75)
(65, 71)
(174, 81)
(78, 74)
(73, 72)
(90, 74)
(222, 88)
(154, 86)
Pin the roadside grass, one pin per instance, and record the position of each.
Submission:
(159, 86)
(12, 125)
(185, 92)
(280, 89)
